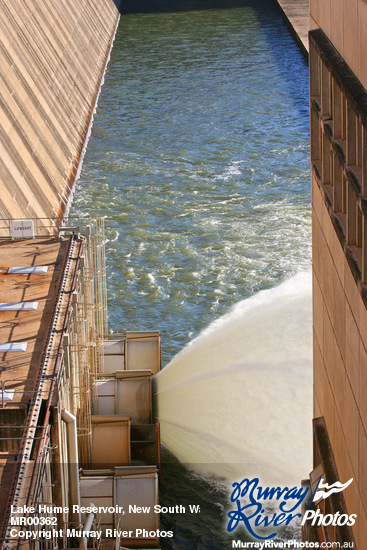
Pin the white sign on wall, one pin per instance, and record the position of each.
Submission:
(23, 228)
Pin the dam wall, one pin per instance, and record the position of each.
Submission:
(344, 22)
(54, 55)
(338, 100)
(340, 343)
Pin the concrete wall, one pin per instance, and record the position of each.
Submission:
(345, 24)
(340, 360)
(339, 217)
(53, 58)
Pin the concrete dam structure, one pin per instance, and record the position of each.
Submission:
(338, 81)
(53, 59)
(77, 437)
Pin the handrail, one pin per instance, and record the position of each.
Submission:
(4, 388)
(25, 445)
(45, 385)
(44, 227)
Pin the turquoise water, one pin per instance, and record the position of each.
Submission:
(199, 159)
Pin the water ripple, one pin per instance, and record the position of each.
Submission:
(199, 159)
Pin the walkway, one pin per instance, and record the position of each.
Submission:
(296, 13)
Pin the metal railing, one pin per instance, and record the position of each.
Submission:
(44, 227)
(79, 359)
(5, 390)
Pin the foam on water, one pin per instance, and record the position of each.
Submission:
(237, 401)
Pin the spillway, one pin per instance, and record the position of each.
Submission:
(199, 160)
(237, 401)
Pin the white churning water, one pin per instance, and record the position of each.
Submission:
(237, 401)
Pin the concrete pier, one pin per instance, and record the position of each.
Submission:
(296, 15)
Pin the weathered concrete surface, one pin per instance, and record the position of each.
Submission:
(345, 24)
(339, 257)
(296, 14)
(340, 359)
(53, 58)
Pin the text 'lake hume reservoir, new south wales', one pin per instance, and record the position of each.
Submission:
(199, 161)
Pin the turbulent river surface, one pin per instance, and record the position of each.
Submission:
(199, 161)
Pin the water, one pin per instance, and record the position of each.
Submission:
(238, 399)
(199, 160)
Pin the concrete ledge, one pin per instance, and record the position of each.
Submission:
(296, 15)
